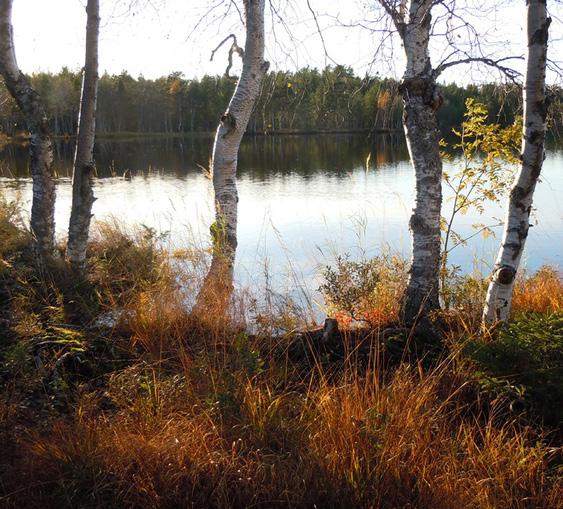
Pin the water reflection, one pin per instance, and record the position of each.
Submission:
(303, 200)
(260, 156)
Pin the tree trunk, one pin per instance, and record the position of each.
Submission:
(225, 155)
(83, 172)
(499, 295)
(29, 102)
(421, 99)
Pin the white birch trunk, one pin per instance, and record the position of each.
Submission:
(83, 171)
(41, 151)
(226, 147)
(421, 100)
(499, 295)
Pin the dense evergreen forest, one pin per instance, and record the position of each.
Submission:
(306, 100)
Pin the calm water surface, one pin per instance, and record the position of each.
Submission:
(303, 200)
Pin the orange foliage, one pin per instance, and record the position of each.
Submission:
(175, 87)
(384, 100)
(380, 316)
(376, 317)
(540, 293)
(344, 319)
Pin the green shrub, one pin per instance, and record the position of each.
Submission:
(526, 361)
(365, 290)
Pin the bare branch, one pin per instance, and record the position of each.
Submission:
(280, 18)
(241, 17)
(319, 31)
(555, 66)
(510, 73)
(397, 16)
(234, 47)
(203, 18)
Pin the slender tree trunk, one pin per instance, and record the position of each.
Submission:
(225, 155)
(499, 295)
(82, 193)
(421, 99)
(29, 102)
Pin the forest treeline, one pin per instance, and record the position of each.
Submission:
(305, 100)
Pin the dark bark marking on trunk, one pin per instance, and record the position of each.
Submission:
(419, 225)
(230, 122)
(541, 35)
(517, 195)
(543, 106)
(424, 88)
(506, 275)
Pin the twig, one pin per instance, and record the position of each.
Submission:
(234, 47)
(319, 31)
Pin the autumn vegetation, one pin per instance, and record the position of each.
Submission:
(114, 394)
(131, 376)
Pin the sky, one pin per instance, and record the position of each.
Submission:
(157, 37)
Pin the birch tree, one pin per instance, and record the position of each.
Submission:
(226, 147)
(421, 99)
(499, 295)
(41, 151)
(83, 170)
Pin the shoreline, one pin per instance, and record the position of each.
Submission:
(21, 138)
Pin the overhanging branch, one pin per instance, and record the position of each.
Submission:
(319, 31)
(510, 73)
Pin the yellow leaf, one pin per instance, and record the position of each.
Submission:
(486, 233)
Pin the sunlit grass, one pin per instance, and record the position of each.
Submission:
(169, 407)
(409, 440)
(541, 292)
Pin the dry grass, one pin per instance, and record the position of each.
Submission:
(406, 443)
(197, 413)
(541, 292)
(13, 236)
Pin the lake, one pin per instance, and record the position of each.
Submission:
(303, 200)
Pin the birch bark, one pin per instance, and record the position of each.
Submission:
(421, 99)
(41, 151)
(226, 147)
(499, 295)
(83, 171)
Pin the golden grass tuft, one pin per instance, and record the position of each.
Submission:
(124, 263)
(13, 236)
(542, 292)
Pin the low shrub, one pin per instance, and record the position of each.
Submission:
(366, 291)
(525, 362)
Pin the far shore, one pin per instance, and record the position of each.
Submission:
(22, 137)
